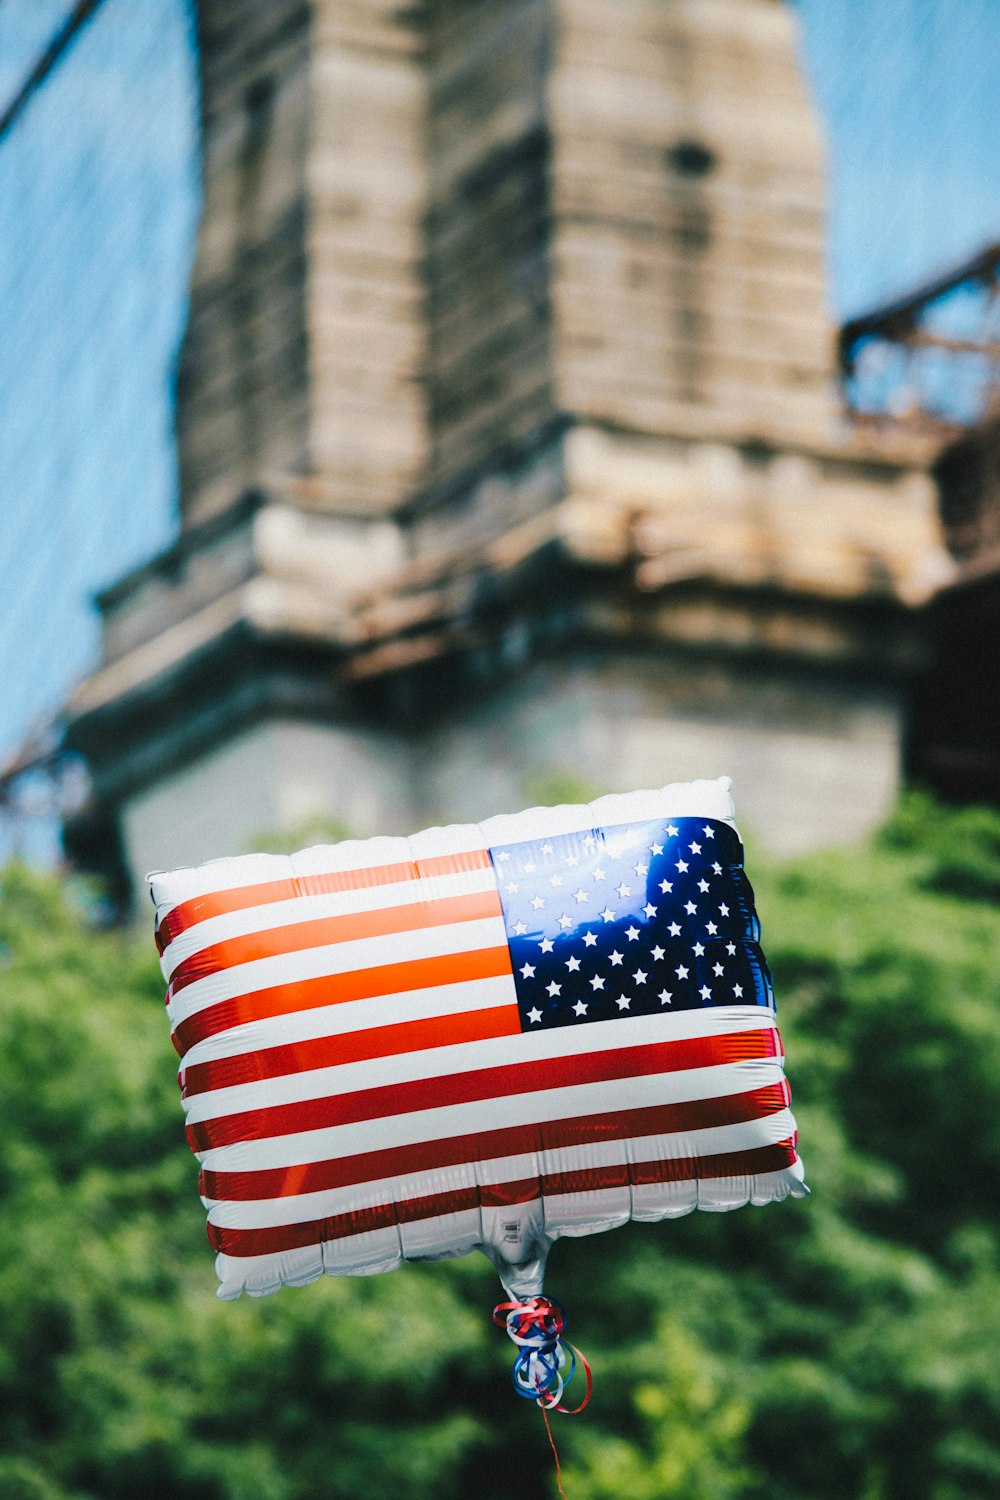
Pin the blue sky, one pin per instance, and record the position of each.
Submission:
(98, 195)
(909, 91)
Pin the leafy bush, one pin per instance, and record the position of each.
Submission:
(838, 1347)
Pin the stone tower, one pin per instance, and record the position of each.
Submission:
(508, 443)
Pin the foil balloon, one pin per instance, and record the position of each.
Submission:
(482, 1037)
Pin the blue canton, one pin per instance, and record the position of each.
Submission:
(635, 920)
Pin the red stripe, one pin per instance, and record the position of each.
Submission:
(337, 989)
(486, 1145)
(480, 1083)
(319, 931)
(218, 903)
(351, 1046)
(246, 1242)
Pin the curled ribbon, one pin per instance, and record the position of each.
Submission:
(545, 1364)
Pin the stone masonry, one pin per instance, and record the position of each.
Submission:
(508, 438)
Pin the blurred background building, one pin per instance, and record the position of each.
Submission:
(518, 447)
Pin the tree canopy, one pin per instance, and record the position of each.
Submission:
(839, 1347)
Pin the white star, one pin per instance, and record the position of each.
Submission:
(641, 870)
(589, 842)
(530, 868)
(649, 909)
(623, 890)
(730, 947)
(580, 895)
(555, 880)
(723, 911)
(671, 831)
(666, 885)
(695, 848)
(711, 928)
(519, 929)
(666, 996)
(534, 1015)
(528, 971)
(655, 849)
(717, 869)
(546, 848)
(681, 972)
(631, 933)
(682, 866)
(599, 874)
(502, 857)
(690, 908)
(708, 831)
(565, 921)
(589, 939)
(546, 945)
(572, 859)
(513, 887)
(639, 977)
(538, 902)
(657, 954)
(597, 983)
(705, 992)
(716, 968)
(579, 1008)
(703, 885)
(553, 988)
(616, 959)
(572, 964)
(623, 1002)
(738, 991)
(698, 950)
(608, 914)
(674, 930)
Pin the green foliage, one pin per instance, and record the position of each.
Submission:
(957, 851)
(838, 1347)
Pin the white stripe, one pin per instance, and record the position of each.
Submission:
(172, 888)
(572, 1214)
(526, 1049)
(353, 1015)
(745, 1135)
(447, 1121)
(336, 958)
(254, 919)
(440, 1000)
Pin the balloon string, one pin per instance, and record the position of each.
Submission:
(555, 1450)
(545, 1364)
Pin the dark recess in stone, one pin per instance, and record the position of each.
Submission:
(691, 159)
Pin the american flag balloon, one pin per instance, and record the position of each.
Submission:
(485, 1037)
